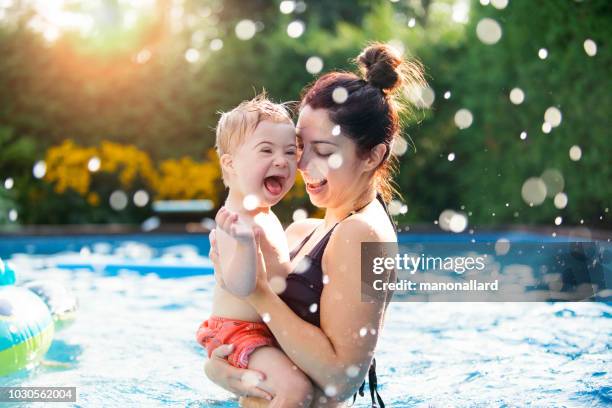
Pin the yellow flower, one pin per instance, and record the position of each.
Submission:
(184, 178)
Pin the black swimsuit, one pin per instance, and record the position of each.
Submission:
(303, 293)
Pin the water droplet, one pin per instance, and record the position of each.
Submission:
(523, 135)
(278, 284)
(295, 29)
(421, 96)
(287, 7)
(245, 29)
(300, 214)
(533, 191)
(250, 379)
(340, 95)
(558, 220)
(560, 201)
(546, 127)
(303, 265)
(216, 44)
(325, 279)
(553, 116)
(395, 207)
(192, 55)
(250, 202)
(575, 153)
(266, 317)
(451, 157)
(447, 95)
(458, 222)
(143, 56)
(542, 53)
(40, 169)
(362, 332)
(502, 246)
(151, 224)
(554, 181)
(314, 65)
(334, 161)
(399, 146)
(336, 130)
(499, 4)
(93, 164)
(9, 183)
(488, 31)
(331, 391)
(460, 12)
(12, 215)
(118, 200)
(412, 22)
(590, 47)
(352, 371)
(444, 219)
(463, 118)
(141, 198)
(517, 96)
(313, 308)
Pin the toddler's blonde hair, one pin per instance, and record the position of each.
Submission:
(233, 126)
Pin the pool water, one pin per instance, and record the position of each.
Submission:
(133, 344)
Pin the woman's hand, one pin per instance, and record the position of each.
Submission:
(236, 380)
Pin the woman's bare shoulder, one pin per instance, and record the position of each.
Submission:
(298, 230)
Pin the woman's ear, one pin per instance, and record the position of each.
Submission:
(375, 157)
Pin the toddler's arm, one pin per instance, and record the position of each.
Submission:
(237, 253)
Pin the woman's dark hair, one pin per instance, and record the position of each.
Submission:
(370, 113)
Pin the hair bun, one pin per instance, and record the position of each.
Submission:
(380, 65)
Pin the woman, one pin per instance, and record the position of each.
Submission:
(346, 128)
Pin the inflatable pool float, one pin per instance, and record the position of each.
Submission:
(29, 317)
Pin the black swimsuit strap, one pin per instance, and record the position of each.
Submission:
(327, 234)
(382, 201)
(373, 386)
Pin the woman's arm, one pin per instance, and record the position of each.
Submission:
(349, 328)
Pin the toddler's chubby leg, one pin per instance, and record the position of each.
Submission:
(289, 386)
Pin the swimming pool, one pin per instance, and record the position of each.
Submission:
(143, 296)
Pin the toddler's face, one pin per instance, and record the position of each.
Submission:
(266, 162)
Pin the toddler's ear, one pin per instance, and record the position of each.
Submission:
(227, 162)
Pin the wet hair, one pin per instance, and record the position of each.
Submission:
(233, 126)
(370, 115)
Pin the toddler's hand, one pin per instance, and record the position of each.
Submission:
(232, 225)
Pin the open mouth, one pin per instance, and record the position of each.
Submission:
(315, 185)
(274, 184)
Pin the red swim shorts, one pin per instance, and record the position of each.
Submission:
(245, 336)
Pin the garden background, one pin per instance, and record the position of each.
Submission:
(109, 105)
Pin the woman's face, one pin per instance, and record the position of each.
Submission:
(330, 166)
